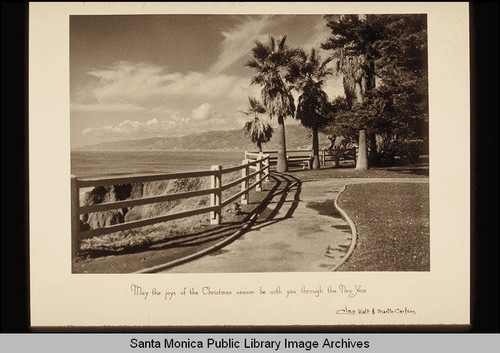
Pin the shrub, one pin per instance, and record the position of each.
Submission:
(407, 150)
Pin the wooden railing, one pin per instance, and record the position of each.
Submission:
(260, 171)
(294, 157)
(273, 153)
(328, 156)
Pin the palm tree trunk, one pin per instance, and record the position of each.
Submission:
(282, 165)
(373, 149)
(315, 147)
(362, 160)
(336, 161)
(259, 146)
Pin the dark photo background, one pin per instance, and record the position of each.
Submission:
(15, 201)
(484, 171)
(484, 166)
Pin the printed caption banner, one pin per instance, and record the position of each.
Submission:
(385, 343)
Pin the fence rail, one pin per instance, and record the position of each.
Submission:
(330, 156)
(260, 165)
(325, 155)
(304, 159)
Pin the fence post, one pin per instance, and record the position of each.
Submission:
(244, 184)
(75, 222)
(215, 183)
(266, 167)
(259, 174)
(323, 156)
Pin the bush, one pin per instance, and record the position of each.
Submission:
(407, 150)
(412, 149)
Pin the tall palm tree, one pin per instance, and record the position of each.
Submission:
(271, 60)
(257, 130)
(307, 73)
(351, 47)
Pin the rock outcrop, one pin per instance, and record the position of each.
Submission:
(104, 194)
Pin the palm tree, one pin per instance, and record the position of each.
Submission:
(307, 73)
(271, 61)
(258, 131)
(350, 45)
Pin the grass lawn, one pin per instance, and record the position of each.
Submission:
(413, 171)
(392, 220)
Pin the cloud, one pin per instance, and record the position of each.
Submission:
(202, 118)
(238, 41)
(135, 86)
(320, 34)
(126, 127)
(107, 107)
(152, 122)
(154, 100)
(202, 112)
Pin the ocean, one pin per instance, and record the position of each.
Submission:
(103, 163)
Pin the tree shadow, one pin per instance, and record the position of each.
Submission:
(413, 171)
(291, 185)
(220, 231)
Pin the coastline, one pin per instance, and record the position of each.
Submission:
(181, 150)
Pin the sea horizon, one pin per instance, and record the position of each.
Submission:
(104, 163)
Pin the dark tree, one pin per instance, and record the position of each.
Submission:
(350, 44)
(307, 73)
(383, 59)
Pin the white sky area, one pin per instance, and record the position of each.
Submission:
(136, 77)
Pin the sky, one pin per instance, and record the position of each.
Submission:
(134, 77)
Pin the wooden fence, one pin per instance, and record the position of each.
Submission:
(327, 156)
(303, 158)
(260, 170)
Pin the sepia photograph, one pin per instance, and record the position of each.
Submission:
(249, 164)
(249, 143)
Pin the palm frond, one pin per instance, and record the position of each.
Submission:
(255, 106)
(257, 80)
(281, 45)
(272, 44)
(253, 64)
(241, 111)
(272, 61)
(260, 52)
(325, 63)
(258, 131)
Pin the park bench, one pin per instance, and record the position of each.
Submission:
(303, 161)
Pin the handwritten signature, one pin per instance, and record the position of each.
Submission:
(374, 311)
(346, 311)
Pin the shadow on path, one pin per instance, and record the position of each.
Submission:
(285, 186)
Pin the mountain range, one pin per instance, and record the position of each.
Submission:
(297, 137)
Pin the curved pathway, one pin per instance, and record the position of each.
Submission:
(300, 230)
